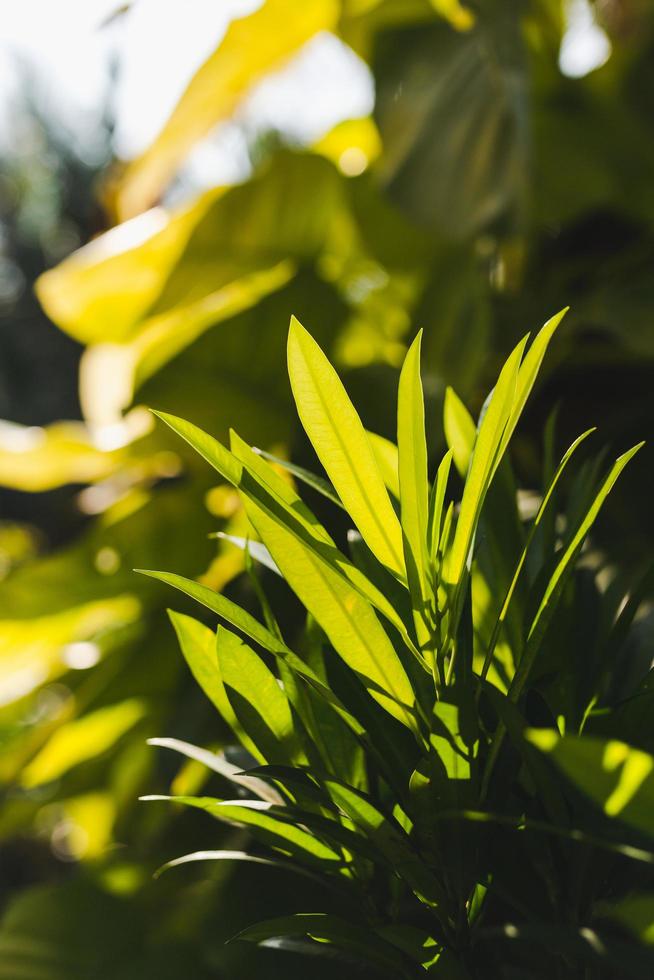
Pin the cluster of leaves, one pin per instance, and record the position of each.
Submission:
(494, 188)
(398, 750)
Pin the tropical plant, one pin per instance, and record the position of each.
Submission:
(447, 743)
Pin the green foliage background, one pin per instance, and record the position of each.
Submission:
(496, 191)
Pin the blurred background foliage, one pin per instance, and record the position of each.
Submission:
(504, 171)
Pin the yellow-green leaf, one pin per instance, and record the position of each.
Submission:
(198, 644)
(527, 375)
(82, 739)
(243, 621)
(460, 430)
(334, 427)
(386, 456)
(257, 699)
(614, 775)
(459, 15)
(346, 617)
(414, 487)
(485, 457)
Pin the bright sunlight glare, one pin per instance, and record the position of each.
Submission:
(585, 46)
(61, 58)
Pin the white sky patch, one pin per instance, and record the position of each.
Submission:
(585, 46)
(157, 47)
(161, 47)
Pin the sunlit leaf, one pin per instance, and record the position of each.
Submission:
(247, 624)
(304, 476)
(198, 644)
(82, 739)
(619, 778)
(263, 823)
(340, 441)
(263, 486)
(347, 619)
(460, 430)
(252, 46)
(386, 456)
(218, 763)
(414, 488)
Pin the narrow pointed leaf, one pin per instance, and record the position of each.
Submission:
(243, 621)
(327, 928)
(304, 476)
(262, 824)
(436, 503)
(460, 430)
(485, 457)
(561, 573)
(542, 510)
(260, 482)
(346, 617)
(528, 373)
(339, 439)
(231, 856)
(257, 699)
(218, 763)
(282, 504)
(386, 455)
(388, 837)
(198, 644)
(414, 488)
(255, 549)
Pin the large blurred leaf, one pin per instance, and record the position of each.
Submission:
(82, 739)
(252, 46)
(616, 776)
(76, 930)
(451, 110)
(140, 297)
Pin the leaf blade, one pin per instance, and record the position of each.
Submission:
(335, 430)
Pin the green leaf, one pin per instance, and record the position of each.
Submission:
(527, 376)
(278, 499)
(305, 476)
(198, 644)
(460, 430)
(561, 573)
(219, 764)
(235, 856)
(414, 489)
(264, 825)
(243, 621)
(386, 457)
(209, 448)
(339, 439)
(259, 481)
(619, 778)
(346, 617)
(82, 739)
(257, 699)
(436, 502)
(389, 838)
(255, 549)
(485, 458)
(328, 928)
(542, 509)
